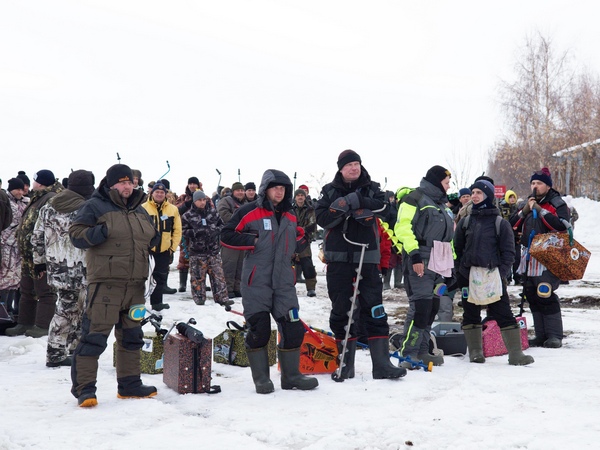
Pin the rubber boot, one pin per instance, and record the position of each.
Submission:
(411, 345)
(132, 387)
(474, 343)
(259, 364)
(291, 378)
(348, 368)
(512, 340)
(554, 330)
(540, 330)
(386, 281)
(183, 276)
(398, 277)
(380, 357)
(424, 355)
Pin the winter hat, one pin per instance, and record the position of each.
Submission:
(542, 175)
(158, 186)
(225, 192)
(166, 182)
(24, 178)
(117, 173)
(82, 182)
(198, 195)
(194, 180)
(138, 174)
(305, 187)
(65, 182)
(299, 192)
(508, 194)
(483, 177)
(347, 156)
(464, 191)
(237, 185)
(15, 183)
(45, 177)
(436, 174)
(488, 193)
(250, 185)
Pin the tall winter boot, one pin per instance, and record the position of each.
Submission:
(348, 368)
(380, 357)
(474, 343)
(540, 330)
(398, 277)
(183, 276)
(386, 280)
(512, 340)
(289, 360)
(554, 330)
(259, 364)
(411, 345)
(424, 355)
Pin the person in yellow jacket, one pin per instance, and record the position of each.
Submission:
(168, 223)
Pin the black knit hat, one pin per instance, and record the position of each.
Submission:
(436, 174)
(82, 182)
(347, 156)
(166, 182)
(44, 177)
(117, 173)
(15, 183)
(24, 178)
(194, 180)
(488, 190)
(250, 185)
(542, 175)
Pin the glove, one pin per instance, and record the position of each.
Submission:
(384, 271)
(526, 209)
(39, 269)
(354, 200)
(363, 216)
(339, 205)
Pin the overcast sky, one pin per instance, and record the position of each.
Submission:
(252, 85)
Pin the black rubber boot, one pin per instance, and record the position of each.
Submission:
(380, 357)
(132, 387)
(474, 343)
(411, 345)
(291, 378)
(348, 369)
(259, 365)
(183, 276)
(554, 330)
(540, 331)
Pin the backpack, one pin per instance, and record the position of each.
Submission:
(499, 220)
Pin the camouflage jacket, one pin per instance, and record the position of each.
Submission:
(30, 216)
(307, 220)
(65, 264)
(10, 269)
(202, 230)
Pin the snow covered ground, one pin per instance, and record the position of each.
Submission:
(550, 404)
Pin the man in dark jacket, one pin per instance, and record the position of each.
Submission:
(117, 233)
(268, 230)
(346, 210)
(232, 259)
(545, 211)
(307, 220)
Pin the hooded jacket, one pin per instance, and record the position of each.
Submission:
(268, 263)
(118, 236)
(202, 230)
(335, 247)
(65, 264)
(168, 223)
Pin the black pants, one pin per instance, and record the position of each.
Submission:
(160, 275)
(340, 278)
(499, 311)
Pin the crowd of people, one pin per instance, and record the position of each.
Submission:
(78, 260)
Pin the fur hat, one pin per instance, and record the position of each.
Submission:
(117, 173)
(44, 177)
(237, 185)
(250, 185)
(464, 191)
(347, 156)
(198, 195)
(194, 180)
(82, 182)
(24, 178)
(542, 175)
(15, 183)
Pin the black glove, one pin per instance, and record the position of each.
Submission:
(384, 271)
(354, 200)
(363, 216)
(340, 205)
(39, 269)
